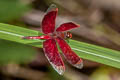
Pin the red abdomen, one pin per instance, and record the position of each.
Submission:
(37, 37)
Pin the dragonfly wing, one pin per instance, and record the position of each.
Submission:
(67, 26)
(53, 56)
(70, 55)
(48, 22)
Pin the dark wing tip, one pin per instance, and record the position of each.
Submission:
(59, 69)
(79, 64)
(52, 7)
(77, 25)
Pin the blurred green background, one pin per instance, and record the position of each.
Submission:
(99, 24)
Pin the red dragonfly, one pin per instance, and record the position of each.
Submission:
(52, 36)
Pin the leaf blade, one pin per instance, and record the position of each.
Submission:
(84, 50)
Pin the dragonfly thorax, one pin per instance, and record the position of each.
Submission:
(63, 35)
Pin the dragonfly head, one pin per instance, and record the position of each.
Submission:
(69, 35)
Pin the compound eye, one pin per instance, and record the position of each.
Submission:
(69, 35)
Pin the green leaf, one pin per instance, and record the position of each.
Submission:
(11, 9)
(95, 53)
(84, 50)
(15, 52)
